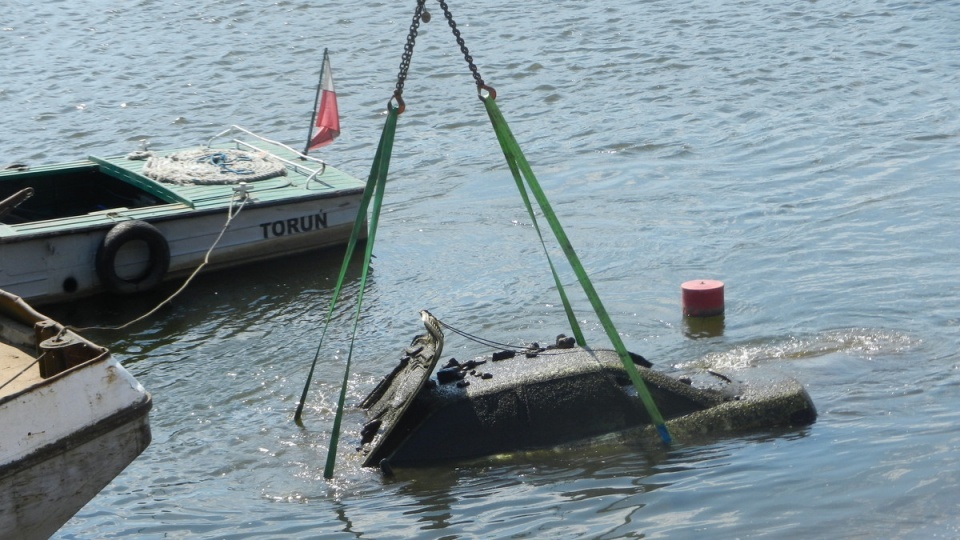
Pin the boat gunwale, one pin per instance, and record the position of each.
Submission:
(103, 357)
(184, 212)
(14, 308)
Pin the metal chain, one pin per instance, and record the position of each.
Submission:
(408, 52)
(419, 14)
(463, 46)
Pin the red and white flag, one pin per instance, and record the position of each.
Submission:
(326, 117)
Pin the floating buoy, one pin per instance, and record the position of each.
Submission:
(702, 298)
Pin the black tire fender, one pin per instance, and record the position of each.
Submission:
(121, 234)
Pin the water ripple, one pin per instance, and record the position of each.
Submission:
(804, 153)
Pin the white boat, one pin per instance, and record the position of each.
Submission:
(71, 419)
(125, 224)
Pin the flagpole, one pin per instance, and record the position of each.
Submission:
(316, 103)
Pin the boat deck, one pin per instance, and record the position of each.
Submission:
(13, 361)
(304, 180)
(294, 184)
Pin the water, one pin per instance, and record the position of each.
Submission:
(806, 153)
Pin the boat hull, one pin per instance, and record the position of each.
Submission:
(41, 492)
(54, 268)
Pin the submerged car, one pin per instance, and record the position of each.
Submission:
(540, 397)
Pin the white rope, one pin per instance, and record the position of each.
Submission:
(212, 166)
(22, 371)
(244, 197)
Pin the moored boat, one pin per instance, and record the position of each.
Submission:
(125, 224)
(541, 397)
(71, 419)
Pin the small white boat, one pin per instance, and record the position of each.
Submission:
(125, 224)
(71, 419)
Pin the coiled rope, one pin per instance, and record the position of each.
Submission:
(206, 166)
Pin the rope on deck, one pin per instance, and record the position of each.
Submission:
(210, 166)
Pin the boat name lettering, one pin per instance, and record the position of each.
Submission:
(295, 225)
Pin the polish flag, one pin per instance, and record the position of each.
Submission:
(326, 118)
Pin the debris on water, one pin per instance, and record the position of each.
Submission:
(715, 374)
(369, 430)
(564, 342)
(470, 364)
(447, 375)
(640, 361)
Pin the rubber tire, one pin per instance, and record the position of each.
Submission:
(116, 238)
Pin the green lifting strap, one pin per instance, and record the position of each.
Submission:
(374, 189)
(519, 166)
(504, 137)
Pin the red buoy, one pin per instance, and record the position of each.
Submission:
(702, 298)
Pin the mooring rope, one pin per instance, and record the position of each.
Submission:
(231, 214)
(22, 371)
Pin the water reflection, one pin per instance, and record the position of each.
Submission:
(284, 288)
(703, 327)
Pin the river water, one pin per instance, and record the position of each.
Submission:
(805, 153)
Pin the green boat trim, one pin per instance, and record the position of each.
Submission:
(56, 218)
